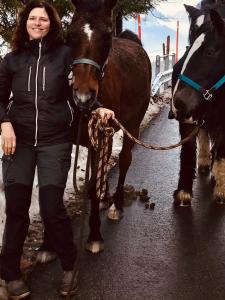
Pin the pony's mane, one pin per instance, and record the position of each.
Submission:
(92, 6)
(130, 35)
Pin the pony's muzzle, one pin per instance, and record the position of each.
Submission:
(84, 100)
(186, 104)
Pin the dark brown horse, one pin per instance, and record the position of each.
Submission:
(117, 73)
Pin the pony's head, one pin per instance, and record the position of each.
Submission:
(202, 70)
(90, 37)
(199, 21)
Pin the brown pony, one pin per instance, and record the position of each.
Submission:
(117, 73)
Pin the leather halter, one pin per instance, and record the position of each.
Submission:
(91, 62)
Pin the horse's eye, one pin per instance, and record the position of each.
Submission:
(209, 51)
(196, 27)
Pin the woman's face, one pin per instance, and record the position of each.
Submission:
(38, 23)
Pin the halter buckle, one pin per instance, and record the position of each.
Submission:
(207, 95)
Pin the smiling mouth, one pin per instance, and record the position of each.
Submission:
(38, 30)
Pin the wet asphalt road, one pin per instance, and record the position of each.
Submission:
(160, 254)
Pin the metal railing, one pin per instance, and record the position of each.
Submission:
(163, 73)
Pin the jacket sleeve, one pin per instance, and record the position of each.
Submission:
(5, 88)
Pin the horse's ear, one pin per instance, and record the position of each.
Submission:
(110, 3)
(217, 21)
(191, 10)
(77, 3)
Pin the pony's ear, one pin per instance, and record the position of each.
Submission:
(77, 3)
(217, 21)
(110, 3)
(191, 10)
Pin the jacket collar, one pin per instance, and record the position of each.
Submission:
(33, 45)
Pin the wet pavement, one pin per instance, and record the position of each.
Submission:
(162, 254)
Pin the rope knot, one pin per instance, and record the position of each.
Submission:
(109, 131)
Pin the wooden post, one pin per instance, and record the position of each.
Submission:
(164, 49)
(168, 45)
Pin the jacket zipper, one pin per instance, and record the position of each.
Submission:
(9, 107)
(29, 77)
(71, 111)
(36, 93)
(43, 79)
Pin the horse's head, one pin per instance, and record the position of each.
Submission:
(90, 37)
(203, 69)
(199, 21)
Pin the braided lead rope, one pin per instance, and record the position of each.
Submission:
(103, 163)
(100, 136)
(153, 147)
(95, 126)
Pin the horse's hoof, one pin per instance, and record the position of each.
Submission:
(204, 169)
(182, 198)
(114, 213)
(95, 247)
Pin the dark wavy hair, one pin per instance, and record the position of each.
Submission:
(20, 36)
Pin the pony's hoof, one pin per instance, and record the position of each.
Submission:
(204, 169)
(114, 213)
(95, 247)
(182, 198)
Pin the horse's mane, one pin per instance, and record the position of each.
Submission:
(130, 35)
(92, 6)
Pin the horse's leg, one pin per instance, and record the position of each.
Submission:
(125, 158)
(204, 154)
(183, 194)
(218, 172)
(95, 243)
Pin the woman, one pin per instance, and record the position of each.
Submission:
(36, 131)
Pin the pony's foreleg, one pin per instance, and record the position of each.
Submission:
(95, 242)
(218, 172)
(204, 153)
(183, 194)
(125, 158)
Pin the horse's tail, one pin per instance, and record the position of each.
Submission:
(130, 35)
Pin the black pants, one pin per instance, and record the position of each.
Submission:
(53, 163)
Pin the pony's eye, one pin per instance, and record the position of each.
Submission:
(195, 27)
(209, 51)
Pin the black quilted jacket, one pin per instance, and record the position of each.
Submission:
(35, 95)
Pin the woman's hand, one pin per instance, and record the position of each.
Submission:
(105, 114)
(8, 138)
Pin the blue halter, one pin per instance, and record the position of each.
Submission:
(207, 94)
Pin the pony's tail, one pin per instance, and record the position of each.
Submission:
(130, 35)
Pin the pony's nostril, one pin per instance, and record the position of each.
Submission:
(93, 93)
(171, 115)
